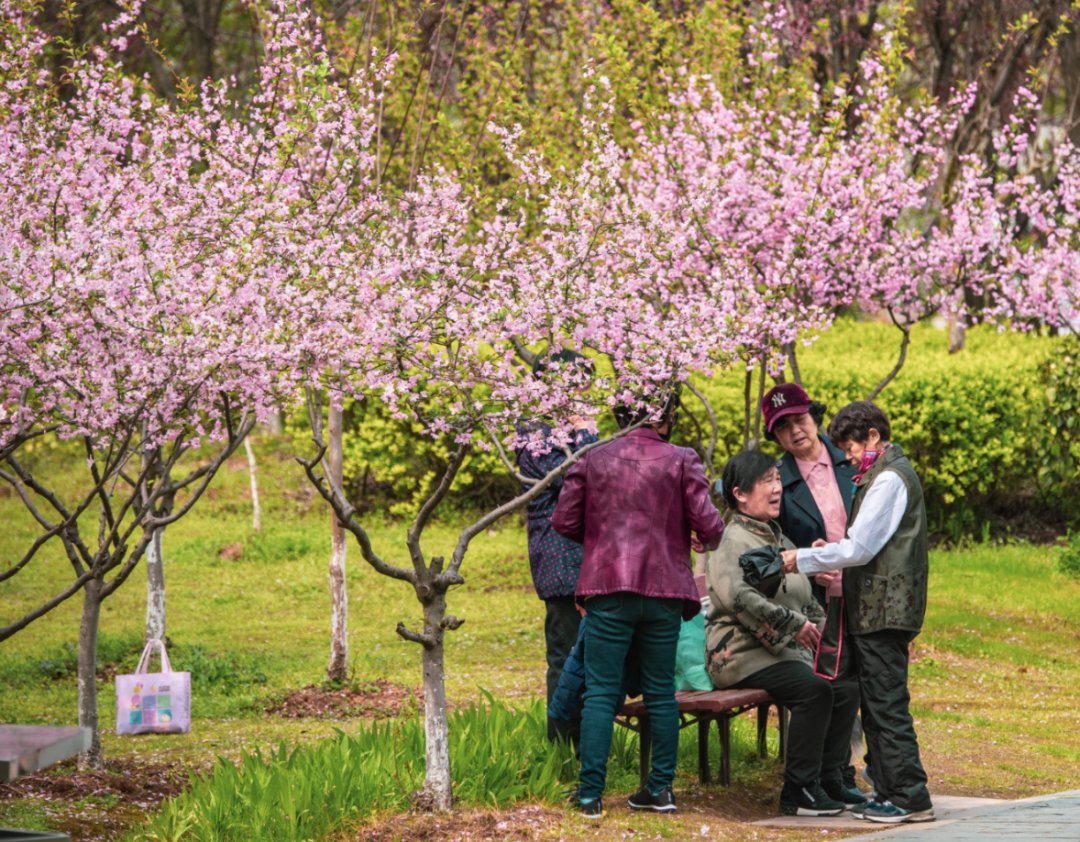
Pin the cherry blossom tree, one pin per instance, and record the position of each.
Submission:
(144, 247)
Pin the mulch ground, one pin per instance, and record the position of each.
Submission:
(99, 804)
(523, 824)
(375, 699)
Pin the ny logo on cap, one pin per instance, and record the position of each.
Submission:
(778, 399)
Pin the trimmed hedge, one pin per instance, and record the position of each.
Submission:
(992, 430)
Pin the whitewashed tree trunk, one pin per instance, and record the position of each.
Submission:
(338, 669)
(957, 336)
(256, 512)
(155, 570)
(86, 673)
(155, 589)
(276, 423)
(438, 789)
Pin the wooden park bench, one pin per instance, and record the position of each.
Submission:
(703, 707)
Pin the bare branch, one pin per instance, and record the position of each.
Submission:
(523, 351)
(452, 576)
(905, 329)
(504, 457)
(46, 607)
(346, 515)
(412, 539)
(714, 427)
(793, 361)
(747, 383)
(100, 482)
(423, 639)
(247, 424)
(27, 502)
(130, 563)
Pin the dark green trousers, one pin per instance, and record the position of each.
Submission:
(881, 663)
(613, 623)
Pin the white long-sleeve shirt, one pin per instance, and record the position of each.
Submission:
(877, 521)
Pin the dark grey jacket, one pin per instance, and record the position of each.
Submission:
(800, 519)
(889, 591)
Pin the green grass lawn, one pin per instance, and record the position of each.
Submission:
(248, 614)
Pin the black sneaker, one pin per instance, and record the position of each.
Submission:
(662, 802)
(593, 809)
(837, 788)
(809, 800)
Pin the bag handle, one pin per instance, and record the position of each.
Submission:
(144, 661)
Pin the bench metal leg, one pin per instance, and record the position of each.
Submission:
(782, 719)
(704, 773)
(723, 722)
(762, 730)
(644, 748)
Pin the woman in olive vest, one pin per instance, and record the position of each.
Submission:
(885, 562)
(757, 641)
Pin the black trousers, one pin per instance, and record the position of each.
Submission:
(881, 663)
(822, 713)
(560, 633)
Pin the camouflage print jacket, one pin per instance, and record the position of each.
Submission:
(746, 631)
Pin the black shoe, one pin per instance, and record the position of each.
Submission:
(838, 789)
(662, 802)
(809, 800)
(848, 775)
(593, 809)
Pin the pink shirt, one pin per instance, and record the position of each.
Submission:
(821, 480)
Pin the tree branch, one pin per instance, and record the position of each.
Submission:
(425, 640)
(45, 608)
(412, 539)
(452, 576)
(905, 329)
(346, 516)
(714, 427)
(504, 457)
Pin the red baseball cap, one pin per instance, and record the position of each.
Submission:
(785, 399)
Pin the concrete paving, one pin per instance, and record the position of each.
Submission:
(1044, 818)
(945, 807)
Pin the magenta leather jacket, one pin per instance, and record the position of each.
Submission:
(632, 503)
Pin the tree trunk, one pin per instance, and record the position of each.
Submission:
(155, 589)
(155, 563)
(87, 673)
(256, 512)
(437, 794)
(748, 382)
(276, 423)
(957, 336)
(338, 670)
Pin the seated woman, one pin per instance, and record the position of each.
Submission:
(753, 641)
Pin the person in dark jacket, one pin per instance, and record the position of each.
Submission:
(885, 563)
(633, 503)
(554, 561)
(815, 473)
